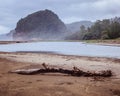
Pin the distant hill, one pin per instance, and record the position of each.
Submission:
(7, 37)
(75, 26)
(42, 25)
(116, 19)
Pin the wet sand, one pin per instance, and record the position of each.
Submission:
(56, 84)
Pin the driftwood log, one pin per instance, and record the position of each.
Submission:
(75, 72)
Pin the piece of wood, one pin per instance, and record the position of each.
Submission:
(74, 72)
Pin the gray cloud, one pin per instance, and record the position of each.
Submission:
(68, 10)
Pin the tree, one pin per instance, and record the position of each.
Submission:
(114, 30)
(105, 35)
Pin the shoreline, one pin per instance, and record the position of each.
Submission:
(106, 44)
(60, 54)
(99, 42)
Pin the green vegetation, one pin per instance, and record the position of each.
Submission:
(105, 29)
(108, 41)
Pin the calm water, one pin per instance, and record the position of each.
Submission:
(67, 48)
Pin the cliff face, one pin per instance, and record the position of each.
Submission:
(43, 25)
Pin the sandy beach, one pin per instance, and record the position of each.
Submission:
(59, 48)
(56, 84)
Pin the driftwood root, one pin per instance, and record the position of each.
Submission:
(75, 72)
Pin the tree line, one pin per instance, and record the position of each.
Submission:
(105, 29)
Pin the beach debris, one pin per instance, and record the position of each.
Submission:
(115, 92)
(45, 66)
(25, 71)
(73, 72)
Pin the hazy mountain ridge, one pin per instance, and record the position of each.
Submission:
(116, 19)
(75, 26)
(7, 37)
(46, 25)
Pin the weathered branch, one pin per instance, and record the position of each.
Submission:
(74, 72)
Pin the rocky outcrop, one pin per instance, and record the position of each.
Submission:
(44, 25)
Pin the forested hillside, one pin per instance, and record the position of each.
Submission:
(101, 29)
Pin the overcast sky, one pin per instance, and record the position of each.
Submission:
(68, 10)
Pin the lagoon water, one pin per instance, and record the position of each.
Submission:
(67, 48)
